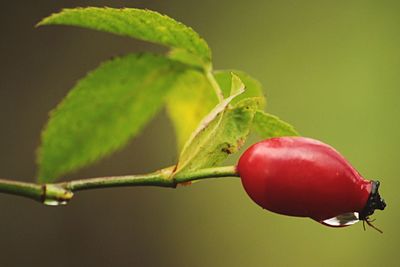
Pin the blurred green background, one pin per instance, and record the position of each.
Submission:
(331, 68)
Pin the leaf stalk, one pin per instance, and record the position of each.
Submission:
(215, 86)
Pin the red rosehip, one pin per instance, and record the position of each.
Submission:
(302, 177)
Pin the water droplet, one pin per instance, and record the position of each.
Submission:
(341, 220)
(56, 195)
(53, 202)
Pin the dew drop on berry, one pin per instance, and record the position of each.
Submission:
(342, 220)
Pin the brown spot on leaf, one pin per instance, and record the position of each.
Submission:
(241, 142)
(229, 149)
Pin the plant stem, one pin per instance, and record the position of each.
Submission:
(60, 193)
(29, 190)
(215, 85)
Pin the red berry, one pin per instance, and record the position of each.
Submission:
(299, 176)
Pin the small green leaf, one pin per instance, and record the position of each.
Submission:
(237, 89)
(193, 98)
(190, 100)
(142, 24)
(267, 126)
(237, 86)
(253, 87)
(103, 111)
(220, 137)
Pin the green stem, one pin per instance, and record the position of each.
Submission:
(61, 193)
(29, 190)
(215, 85)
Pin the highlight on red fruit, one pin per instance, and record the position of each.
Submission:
(303, 177)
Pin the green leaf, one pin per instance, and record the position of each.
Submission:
(103, 111)
(193, 98)
(237, 86)
(253, 87)
(222, 137)
(220, 134)
(237, 89)
(267, 126)
(142, 24)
